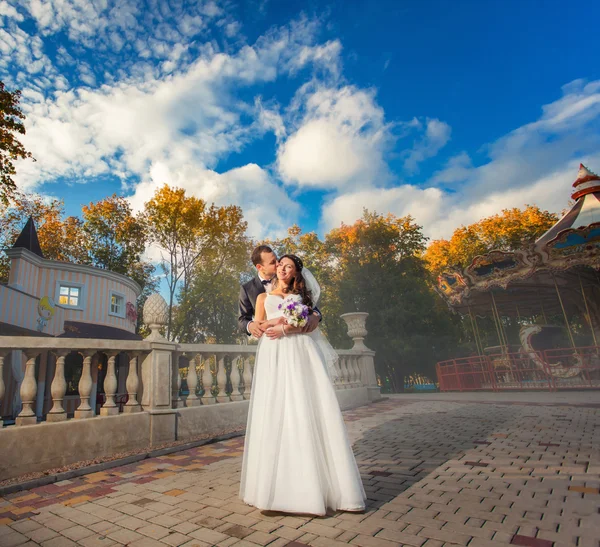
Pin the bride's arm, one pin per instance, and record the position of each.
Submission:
(281, 330)
(261, 314)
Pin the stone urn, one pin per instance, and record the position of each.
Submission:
(156, 315)
(357, 330)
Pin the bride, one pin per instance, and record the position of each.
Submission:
(297, 457)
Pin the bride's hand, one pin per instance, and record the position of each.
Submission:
(276, 331)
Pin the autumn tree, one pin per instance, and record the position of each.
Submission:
(60, 238)
(510, 230)
(192, 238)
(116, 239)
(374, 265)
(207, 304)
(380, 272)
(11, 149)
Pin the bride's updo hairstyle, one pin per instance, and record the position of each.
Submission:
(298, 285)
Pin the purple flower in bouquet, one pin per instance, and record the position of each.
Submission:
(294, 311)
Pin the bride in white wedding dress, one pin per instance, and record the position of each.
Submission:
(297, 457)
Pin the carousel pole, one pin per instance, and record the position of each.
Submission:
(496, 323)
(477, 341)
(587, 310)
(503, 333)
(543, 310)
(564, 311)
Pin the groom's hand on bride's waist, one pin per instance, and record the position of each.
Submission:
(312, 323)
(255, 329)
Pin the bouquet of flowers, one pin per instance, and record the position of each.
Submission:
(294, 311)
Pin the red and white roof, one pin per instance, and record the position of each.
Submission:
(586, 210)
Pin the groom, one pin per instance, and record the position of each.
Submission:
(265, 261)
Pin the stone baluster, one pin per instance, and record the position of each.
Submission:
(2, 387)
(28, 390)
(207, 383)
(348, 374)
(192, 381)
(222, 396)
(339, 380)
(345, 371)
(58, 389)
(133, 385)
(247, 376)
(355, 371)
(359, 372)
(176, 400)
(236, 378)
(110, 408)
(84, 410)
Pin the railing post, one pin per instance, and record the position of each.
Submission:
(192, 381)
(356, 323)
(207, 383)
(222, 396)
(247, 376)
(176, 400)
(157, 375)
(132, 384)
(84, 410)
(236, 377)
(110, 408)
(28, 390)
(58, 389)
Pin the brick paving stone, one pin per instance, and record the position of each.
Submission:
(422, 460)
(77, 532)
(97, 541)
(208, 536)
(175, 539)
(58, 542)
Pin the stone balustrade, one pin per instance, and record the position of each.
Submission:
(157, 410)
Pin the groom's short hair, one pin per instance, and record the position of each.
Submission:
(257, 254)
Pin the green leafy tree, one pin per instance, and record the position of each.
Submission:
(11, 149)
(207, 308)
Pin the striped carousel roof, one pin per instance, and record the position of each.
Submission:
(586, 210)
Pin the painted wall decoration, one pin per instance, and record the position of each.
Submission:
(131, 312)
(46, 309)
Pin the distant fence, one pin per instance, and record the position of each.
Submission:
(550, 370)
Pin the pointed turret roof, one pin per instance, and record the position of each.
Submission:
(586, 210)
(586, 183)
(28, 239)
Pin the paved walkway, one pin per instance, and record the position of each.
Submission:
(440, 469)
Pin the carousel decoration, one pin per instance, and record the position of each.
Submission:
(557, 276)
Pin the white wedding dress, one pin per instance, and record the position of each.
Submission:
(297, 457)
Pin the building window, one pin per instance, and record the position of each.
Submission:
(69, 296)
(117, 304)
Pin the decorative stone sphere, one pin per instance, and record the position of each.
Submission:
(357, 330)
(156, 312)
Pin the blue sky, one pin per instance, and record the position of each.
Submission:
(448, 111)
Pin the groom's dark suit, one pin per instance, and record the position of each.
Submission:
(249, 291)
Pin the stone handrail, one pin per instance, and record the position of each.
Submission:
(216, 373)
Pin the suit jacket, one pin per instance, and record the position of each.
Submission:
(248, 293)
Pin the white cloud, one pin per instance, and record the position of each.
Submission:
(437, 134)
(534, 164)
(267, 208)
(339, 142)
(155, 129)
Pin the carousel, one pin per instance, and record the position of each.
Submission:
(541, 289)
